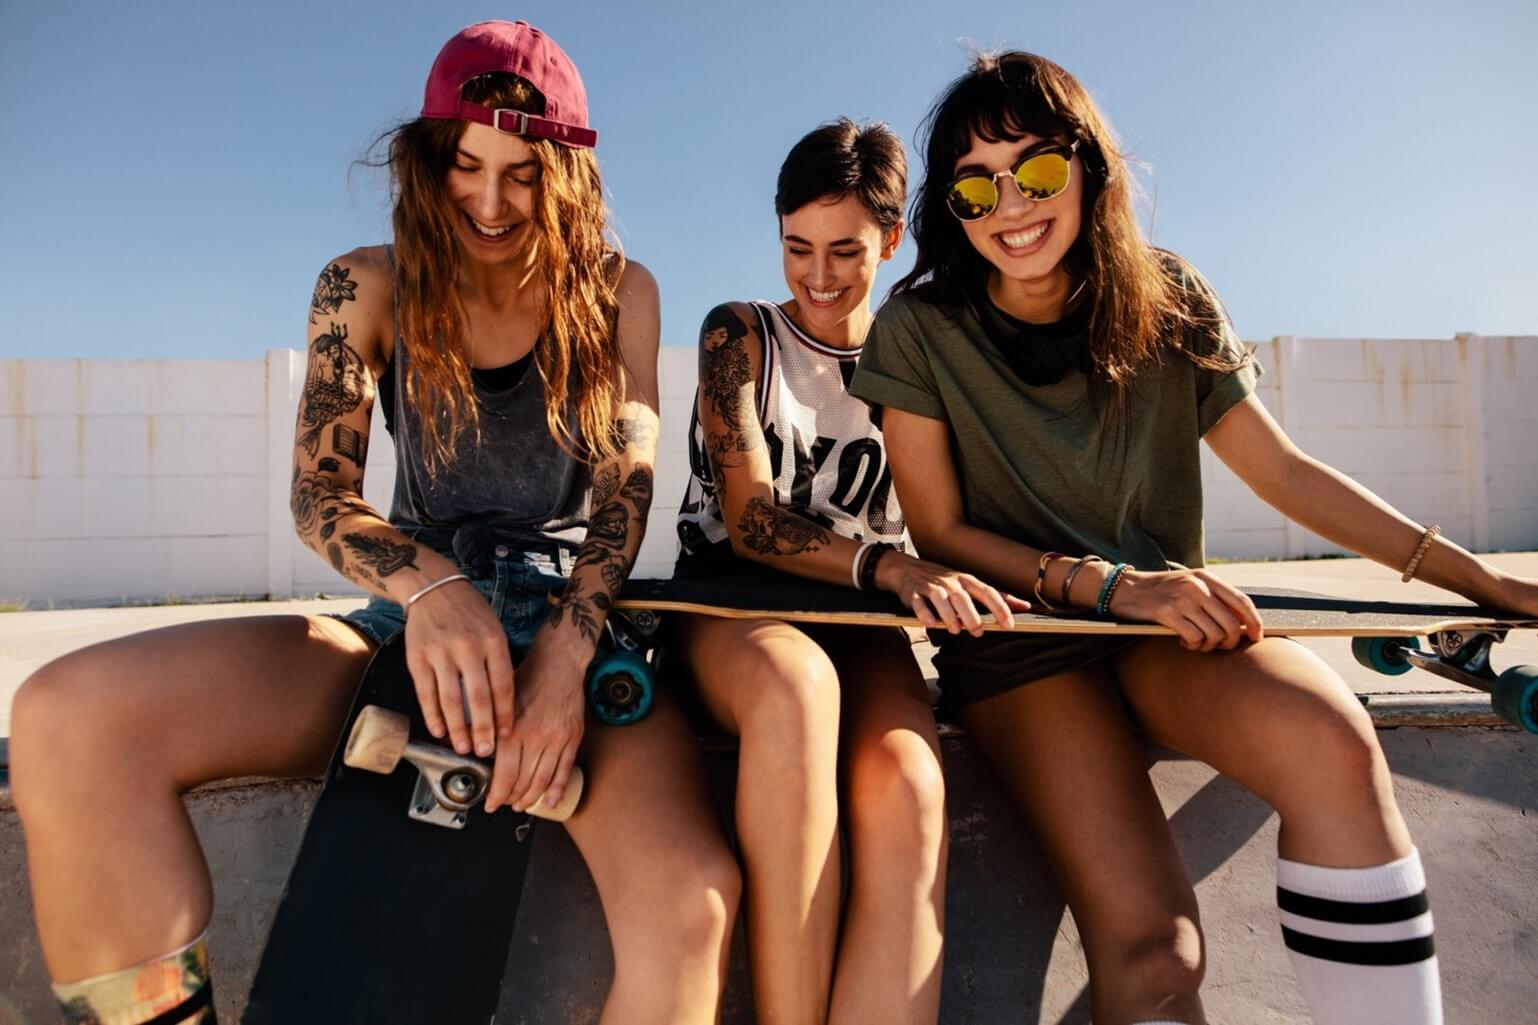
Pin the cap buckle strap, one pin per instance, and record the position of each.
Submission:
(521, 122)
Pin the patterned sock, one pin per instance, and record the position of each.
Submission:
(1360, 940)
(173, 989)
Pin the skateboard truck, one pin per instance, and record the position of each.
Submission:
(448, 784)
(1464, 658)
(620, 684)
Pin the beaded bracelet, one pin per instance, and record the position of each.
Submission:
(1073, 571)
(1420, 553)
(859, 560)
(1041, 576)
(1103, 603)
(868, 567)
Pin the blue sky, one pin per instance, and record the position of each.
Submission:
(173, 174)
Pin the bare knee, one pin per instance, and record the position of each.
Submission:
(686, 919)
(61, 739)
(789, 698)
(1338, 759)
(897, 788)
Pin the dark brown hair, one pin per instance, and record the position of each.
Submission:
(575, 263)
(841, 159)
(1139, 297)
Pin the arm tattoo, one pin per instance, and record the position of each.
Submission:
(347, 442)
(316, 498)
(769, 530)
(334, 385)
(724, 365)
(381, 554)
(634, 432)
(605, 484)
(638, 491)
(583, 609)
(332, 290)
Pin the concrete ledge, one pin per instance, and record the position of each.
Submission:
(1013, 956)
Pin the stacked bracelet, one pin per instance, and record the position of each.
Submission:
(868, 567)
(430, 588)
(1420, 553)
(1073, 571)
(1041, 577)
(857, 564)
(1103, 603)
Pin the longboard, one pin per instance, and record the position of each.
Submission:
(1384, 634)
(402, 900)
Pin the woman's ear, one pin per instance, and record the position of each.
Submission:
(892, 239)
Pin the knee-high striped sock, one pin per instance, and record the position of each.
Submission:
(1360, 940)
(173, 989)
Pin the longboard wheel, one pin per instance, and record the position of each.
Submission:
(569, 800)
(1381, 654)
(620, 688)
(377, 741)
(1515, 697)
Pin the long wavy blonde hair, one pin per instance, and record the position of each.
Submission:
(573, 255)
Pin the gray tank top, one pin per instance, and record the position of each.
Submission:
(514, 484)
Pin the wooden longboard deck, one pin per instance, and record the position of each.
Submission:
(1285, 613)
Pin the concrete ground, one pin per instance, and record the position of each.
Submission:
(1013, 955)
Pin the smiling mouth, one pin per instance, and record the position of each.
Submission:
(825, 298)
(486, 231)
(1024, 238)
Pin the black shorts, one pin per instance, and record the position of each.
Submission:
(974, 668)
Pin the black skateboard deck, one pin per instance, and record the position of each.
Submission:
(388, 920)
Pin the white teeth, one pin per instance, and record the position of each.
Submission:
(1021, 239)
(825, 297)
(490, 232)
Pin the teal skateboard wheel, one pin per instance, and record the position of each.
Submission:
(1382, 654)
(620, 687)
(1515, 697)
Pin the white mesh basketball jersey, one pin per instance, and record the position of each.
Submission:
(826, 455)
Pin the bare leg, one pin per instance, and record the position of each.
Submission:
(1278, 720)
(889, 961)
(107, 739)
(772, 686)
(1065, 749)
(668, 881)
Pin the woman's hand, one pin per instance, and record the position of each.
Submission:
(940, 596)
(457, 653)
(1204, 611)
(534, 761)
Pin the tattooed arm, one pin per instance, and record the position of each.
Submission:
(455, 646)
(731, 360)
(552, 708)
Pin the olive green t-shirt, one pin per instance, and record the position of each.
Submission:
(1033, 462)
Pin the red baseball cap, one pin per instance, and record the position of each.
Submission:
(523, 50)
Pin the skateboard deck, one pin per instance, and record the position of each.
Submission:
(401, 903)
(1384, 634)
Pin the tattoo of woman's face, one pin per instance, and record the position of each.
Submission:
(334, 385)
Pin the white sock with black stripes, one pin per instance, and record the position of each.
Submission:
(1360, 940)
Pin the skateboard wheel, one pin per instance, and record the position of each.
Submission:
(1381, 654)
(1515, 697)
(569, 799)
(620, 687)
(377, 741)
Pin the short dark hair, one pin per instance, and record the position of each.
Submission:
(841, 159)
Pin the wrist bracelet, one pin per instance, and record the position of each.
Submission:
(1103, 603)
(431, 588)
(1073, 571)
(1041, 576)
(868, 567)
(859, 561)
(1420, 553)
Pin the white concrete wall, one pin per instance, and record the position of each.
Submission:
(124, 481)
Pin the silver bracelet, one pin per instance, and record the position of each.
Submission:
(854, 567)
(432, 587)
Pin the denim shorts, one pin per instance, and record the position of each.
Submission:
(516, 580)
